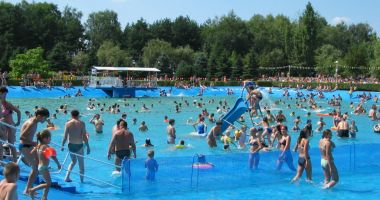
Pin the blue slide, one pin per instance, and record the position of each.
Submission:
(239, 108)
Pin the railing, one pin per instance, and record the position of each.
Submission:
(65, 160)
(119, 83)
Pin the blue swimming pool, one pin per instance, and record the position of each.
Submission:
(357, 159)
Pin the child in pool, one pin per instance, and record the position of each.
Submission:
(181, 145)
(44, 153)
(151, 166)
(320, 124)
(226, 139)
(143, 127)
(8, 186)
(297, 121)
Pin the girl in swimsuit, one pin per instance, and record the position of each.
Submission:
(44, 153)
(327, 161)
(285, 154)
(255, 147)
(7, 133)
(267, 130)
(304, 161)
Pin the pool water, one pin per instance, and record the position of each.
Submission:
(227, 182)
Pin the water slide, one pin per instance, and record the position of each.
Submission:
(239, 108)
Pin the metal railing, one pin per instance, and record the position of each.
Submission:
(66, 158)
(119, 83)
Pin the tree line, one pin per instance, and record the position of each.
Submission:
(38, 37)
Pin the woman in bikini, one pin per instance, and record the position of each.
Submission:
(7, 133)
(326, 147)
(304, 162)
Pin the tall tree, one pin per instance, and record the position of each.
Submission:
(325, 58)
(102, 26)
(138, 36)
(186, 32)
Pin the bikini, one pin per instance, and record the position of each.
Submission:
(4, 110)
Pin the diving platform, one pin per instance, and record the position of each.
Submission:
(119, 82)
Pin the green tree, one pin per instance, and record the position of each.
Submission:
(154, 49)
(183, 54)
(250, 65)
(138, 36)
(200, 64)
(375, 63)
(81, 61)
(325, 58)
(30, 61)
(110, 54)
(237, 65)
(357, 56)
(162, 29)
(186, 32)
(102, 26)
(58, 57)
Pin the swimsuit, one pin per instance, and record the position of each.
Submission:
(121, 154)
(343, 133)
(75, 147)
(324, 163)
(201, 128)
(4, 110)
(42, 168)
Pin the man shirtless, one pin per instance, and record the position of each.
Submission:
(343, 128)
(121, 142)
(28, 130)
(75, 132)
(98, 123)
(8, 186)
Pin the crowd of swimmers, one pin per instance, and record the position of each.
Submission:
(262, 136)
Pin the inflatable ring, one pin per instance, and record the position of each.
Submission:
(376, 128)
(179, 146)
(48, 152)
(203, 165)
(323, 114)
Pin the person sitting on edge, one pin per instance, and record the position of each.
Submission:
(151, 166)
(8, 186)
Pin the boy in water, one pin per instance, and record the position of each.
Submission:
(8, 186)
(151, 166)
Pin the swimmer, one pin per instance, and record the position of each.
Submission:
(75, 132)
(285, 154)
(8, 186)
(98, 123)
(353, 129)
(242, 137)
(166, 119)
(304, 161)
(26, 145)
(201, 127)
(214, 133)
(181, 145)
(320, 124)
(42, 148)
(148, 143)
(122, 143)
(296, 122)
(226, 139)
(255, 147)
(267, 130)
(171, 132)
(143, 127)
(134, 121)
(326, 147)
(151, 166)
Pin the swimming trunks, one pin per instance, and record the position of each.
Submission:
(343, 133)
(20, 146)
(226, 146)
(75, 147)
(121, 154)
(201, 128)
